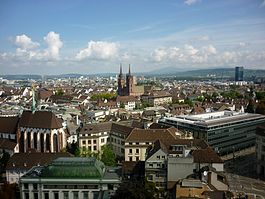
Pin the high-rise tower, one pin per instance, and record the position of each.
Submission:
(239, 73)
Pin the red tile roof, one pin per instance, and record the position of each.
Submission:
(40, 119)
(8, 124)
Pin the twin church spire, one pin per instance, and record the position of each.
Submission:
(125, 85)
(129, 69)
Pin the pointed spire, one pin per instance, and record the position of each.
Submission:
(120, 69)
(129, 69)
(33, 108)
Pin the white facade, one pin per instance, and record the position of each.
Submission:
(136, 151)
(12, 176)
(94, 141)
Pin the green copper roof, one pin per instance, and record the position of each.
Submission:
(74, 168)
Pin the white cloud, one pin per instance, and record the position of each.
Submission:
(54, 44)
(24, 42)
(159, 54)
(187, 54)
(242, 44)
(209, 50)
(190, 50)
(191, 2)
(99, 50)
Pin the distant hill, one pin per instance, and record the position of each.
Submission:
(21, 77)
(216, 72)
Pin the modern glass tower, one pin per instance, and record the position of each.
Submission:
(239, 73)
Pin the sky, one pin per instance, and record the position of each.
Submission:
(86, 37)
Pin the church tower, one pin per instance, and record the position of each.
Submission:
(121, 82)
(129, 82)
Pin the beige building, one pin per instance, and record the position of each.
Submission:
(260, 151)
(156, 98)
(139, 140)
(94, 136)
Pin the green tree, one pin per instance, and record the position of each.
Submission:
(108, 156)
(250, 107)
(4, 159)
(133, 190)
(188, 101)
(59, 92)
(107, 96)
(260, 95)
(122, 105)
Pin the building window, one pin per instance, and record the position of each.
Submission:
(85, 195)
(137, 158)
(75, 194)
(130, 150)
(56, 195)
(147, 143)
(83, 142)
(102, 140)
(46, 195)
(150, 165)
(26, 186)
(36, 196)
(137, 143)
(95, 141)
(137, 151)
(110, 187)
(130, 143)
(163, 157)
(130, 158)
(26, 195)
(95, 148)
(122, 150)
(65, 195)
(35, 186)
(158, 157)
(89, 141)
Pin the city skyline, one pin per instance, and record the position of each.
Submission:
(48, 37)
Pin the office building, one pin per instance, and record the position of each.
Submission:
(260, 151)
(239, 73)
(225, 131)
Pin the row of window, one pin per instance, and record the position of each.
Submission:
(137, 143)
(102, 140)
(136, 151)
(136, 158)
(66, 195)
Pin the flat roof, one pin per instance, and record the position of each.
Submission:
(215, 118)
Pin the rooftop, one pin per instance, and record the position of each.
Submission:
(215, 118)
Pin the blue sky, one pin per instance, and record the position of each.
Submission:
(56, 37)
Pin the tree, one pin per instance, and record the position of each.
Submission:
(250, 107)
(122, 105)
(188, 101)
(59, 92)
(261, 107)
(108, 156)
(133, 190)
(72, 148)
(4, 159)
